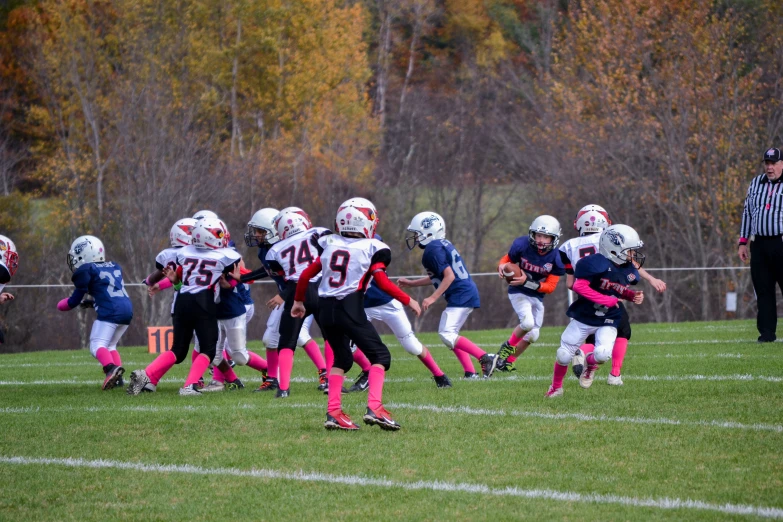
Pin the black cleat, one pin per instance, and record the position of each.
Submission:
(269, 384)
(281, 394)
(112, 375)
(470, 376)
(381, 418)
(361, 384)
(323, 381)
(234, 385)
(488, 364)
(442, 381)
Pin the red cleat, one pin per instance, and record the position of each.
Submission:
(337, 420)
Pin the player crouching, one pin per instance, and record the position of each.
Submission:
(349, 261)
(601, 280)
(102, 280)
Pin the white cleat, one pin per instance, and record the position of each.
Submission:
(138, 382)
(586, 380)
(578, 363)
(190, 390)
(213, 386)
(554, 392)
(614, 381)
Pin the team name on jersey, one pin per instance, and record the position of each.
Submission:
(611, 285)
(527, 266)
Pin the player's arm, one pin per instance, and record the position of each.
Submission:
(250, 276)
(155, 276)
(548, 285)
(380, 262)
(423, 281)
(502, 265)
(298, 310)
(656, 283)
(448, 278)
(80, 280)
(5, 277)
(582, 288)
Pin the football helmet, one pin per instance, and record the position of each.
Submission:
(201, 214)
(291, 222)
(8, 254)
(85, 249)
(591, 222)
(596, 208)
(262, 221)
(353, 220)
(616, 243)
(209, 234)
(547, 225)
(180, 232)
(424, 228)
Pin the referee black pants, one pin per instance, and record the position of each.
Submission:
(343, 321)
(766, 271)
(195, 312)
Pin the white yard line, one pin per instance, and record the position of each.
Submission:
(458, 410)
(422, 485)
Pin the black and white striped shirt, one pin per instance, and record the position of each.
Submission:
(763, 214)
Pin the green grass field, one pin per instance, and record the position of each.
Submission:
(694, 434)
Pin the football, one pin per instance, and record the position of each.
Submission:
(510, 271)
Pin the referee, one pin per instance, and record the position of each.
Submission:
(762, 222)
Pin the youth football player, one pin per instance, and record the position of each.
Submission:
(349, 259)
(447, 273)
(9, 263)
(601, 280)
(541, 267)
(102, 280)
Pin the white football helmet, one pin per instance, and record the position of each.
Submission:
(291, 222)
(591, 222)
(425, 227)
(9, 255)
(616, 243)
(180, 232)
(355, 221)
(85, 249)
(262, 222)
(547, 225)
(201, 214)
(209, 234)
(595, 208)
(358, 203)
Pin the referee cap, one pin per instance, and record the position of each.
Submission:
(773, 155)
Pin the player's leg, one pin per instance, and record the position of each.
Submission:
(208, 332)
(570, 340)
(290, 327)
(619, 349)
(450, 325)
(100, 339)
(522, 307)
(605, 337)
(271, 340)
(313, 351)
(334, 334)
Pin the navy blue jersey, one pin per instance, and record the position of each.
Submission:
(103, 281)
(280, 280)
(231, 304)
(604, 277)
(536, 266)
(374, 295)
(441, 254)
(243, 290)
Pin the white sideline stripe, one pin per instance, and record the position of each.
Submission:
(460, 410)
(632, 343)
(439, 486)
(501, 378)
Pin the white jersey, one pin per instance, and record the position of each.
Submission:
(168, 257)
(577, 248)
(295, 253)
(346, 264)
(202, 268)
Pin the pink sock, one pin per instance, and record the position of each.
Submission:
(511, 358)
(590, 359)
(559, 374)
(335, 392)
(431, 365)
(256, 362)
(513, 340)
(285, 364)
(271, 361)
(104, 357)
(314, 353)
(466, 345)
(226, 356)
(193, 356)
(465, 360)
(618, 354)
(217, 375)
(587, 348)
(374, 399)
(197, 369)
(115, 356)
(229, 375)
(160, 366)
(329, 356)
(362, 360)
